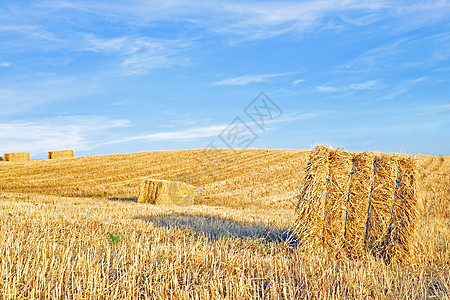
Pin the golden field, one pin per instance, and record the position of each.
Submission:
(71, 229)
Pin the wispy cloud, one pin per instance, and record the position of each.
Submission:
(178, 135)
(19, 97)
(296, 82)
(30, 31)
(397, 55)
(177, 123)
(65, 132)
(367, 85)
(269, 19)
(246, 79)
(249, 20)
(139, 54)
(364, 85)
(325, 88)
(201, 132)
(373, 58)
(361, 21)
(400, 88)
(4, 64)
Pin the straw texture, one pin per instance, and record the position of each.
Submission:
(60, 154)
(356, 202)
(164, 192)
(19, 156)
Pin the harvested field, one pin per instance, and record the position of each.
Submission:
(96, 241)
(236, 179)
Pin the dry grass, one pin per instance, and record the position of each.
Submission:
(59, 247)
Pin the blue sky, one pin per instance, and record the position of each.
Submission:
(105, 77)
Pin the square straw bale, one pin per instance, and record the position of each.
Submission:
(19, 156)
(60, 154)
(356, 202)
(164, 192)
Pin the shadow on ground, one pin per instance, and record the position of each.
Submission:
(124, 199)
(215, 228)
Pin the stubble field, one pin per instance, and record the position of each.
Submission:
(71, 229)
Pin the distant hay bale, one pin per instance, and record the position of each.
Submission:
(356, 202)
(164, 192)
(19, 156)
(60, 154)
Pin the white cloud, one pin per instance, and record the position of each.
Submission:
(364, 85)
(361, 21)
(246, 79)
(367, 85)
(30, 31)
(444, 107)
(29, 94)
(268, 19)
(249, 20)
(400, 88)
(139, 54)
(179, 135)
(65, 132)
(5, 64)
(324, 88)
(295, 82)
(396, 55)
(122, 44)
(210, 131)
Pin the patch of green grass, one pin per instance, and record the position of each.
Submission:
(114, 239)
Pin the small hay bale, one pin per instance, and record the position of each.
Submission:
(164, 192)
(60, 154)
(357, 202)
(19, 156)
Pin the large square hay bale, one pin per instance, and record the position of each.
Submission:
(60, 154)
(164, 192)
(356, 202)
(19, 156)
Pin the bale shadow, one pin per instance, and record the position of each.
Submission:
(216, 228)
(123, 199)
